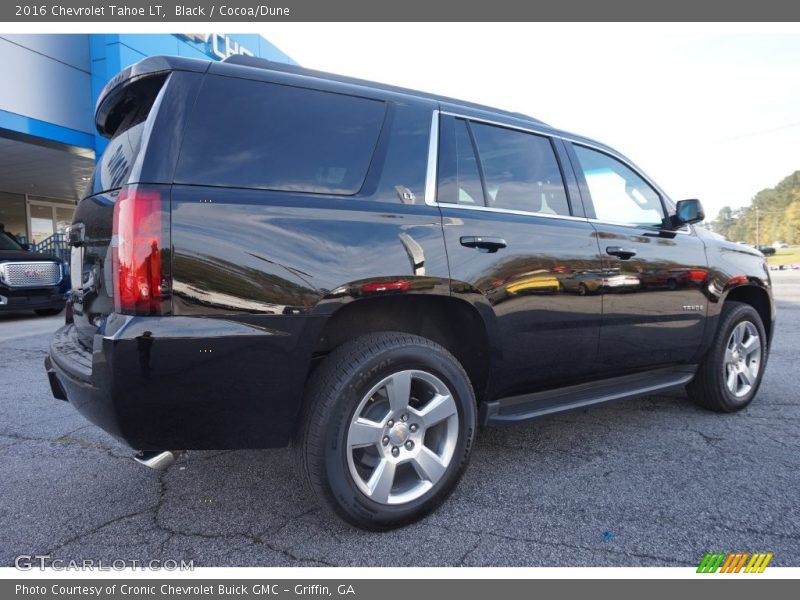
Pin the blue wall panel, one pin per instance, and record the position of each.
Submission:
(43, 87)
(69, 48)
(49, 83)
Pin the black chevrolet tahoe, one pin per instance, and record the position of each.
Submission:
(30, 280)
(269, 255)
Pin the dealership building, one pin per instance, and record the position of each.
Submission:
(48, 88)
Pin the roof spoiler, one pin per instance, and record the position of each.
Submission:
(148, 67)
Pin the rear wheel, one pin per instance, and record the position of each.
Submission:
(388, 425)
(731, 373)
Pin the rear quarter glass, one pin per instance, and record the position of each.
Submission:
(255, 134)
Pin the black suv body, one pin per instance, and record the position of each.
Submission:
(30, 280)
(272, 254)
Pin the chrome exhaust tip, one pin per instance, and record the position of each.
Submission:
(157, 460)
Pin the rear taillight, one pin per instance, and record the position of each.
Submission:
(140, 252)
(386, 286)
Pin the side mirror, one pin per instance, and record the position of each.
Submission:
(26, 247)
(687, 212)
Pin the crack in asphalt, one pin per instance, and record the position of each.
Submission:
(461, 562)
(171, 532)
(160, 524)
(96, 529)
(752, 531)
(710, 440)
(508, 537)
(66, 439)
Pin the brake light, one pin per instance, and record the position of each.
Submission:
(140, 252)
(385, 286)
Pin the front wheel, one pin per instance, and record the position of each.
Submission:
(731, 373)
(387, 429)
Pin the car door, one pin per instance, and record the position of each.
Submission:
(653, 277)
(515, 233)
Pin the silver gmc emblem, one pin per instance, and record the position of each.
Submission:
(34, 273)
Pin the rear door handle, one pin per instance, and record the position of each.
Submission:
(620, 252)
(484, 244)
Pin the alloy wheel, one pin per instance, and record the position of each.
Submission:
(402, 437)
(742, 360)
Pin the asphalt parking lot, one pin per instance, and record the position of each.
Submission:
(647, 482)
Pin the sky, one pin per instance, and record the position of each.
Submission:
(709, 111)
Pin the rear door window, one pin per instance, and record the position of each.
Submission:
(459, 181)
(253, 134)
(520, 170)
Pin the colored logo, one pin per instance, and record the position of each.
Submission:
(734, 562)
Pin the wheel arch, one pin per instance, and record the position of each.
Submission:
(757, 297)
(750, 291)
(453, 323)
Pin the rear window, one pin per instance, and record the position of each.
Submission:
(253, 134)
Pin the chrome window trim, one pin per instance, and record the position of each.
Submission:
(433, 152)
(510, 211)
(616, 156)
(566, 138)
(433, 158)
(661, 195)
(433, 155)
(548, 134)
(682, 231)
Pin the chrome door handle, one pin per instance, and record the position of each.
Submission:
(620, 252)
(484, 244)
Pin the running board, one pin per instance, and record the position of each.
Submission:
(516, 409)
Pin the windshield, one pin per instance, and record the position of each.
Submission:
(7, 242)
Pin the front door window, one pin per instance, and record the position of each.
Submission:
(619, 195)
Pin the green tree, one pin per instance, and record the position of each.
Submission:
(724, 222)
(791, 224)
(778, 217)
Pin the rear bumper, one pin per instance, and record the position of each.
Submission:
(185, 382)
(73, 378)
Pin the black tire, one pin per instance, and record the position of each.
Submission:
(709, 388)
(335, 391)
(47, 312)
